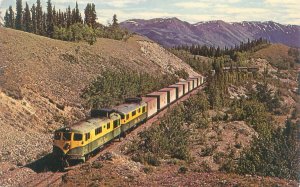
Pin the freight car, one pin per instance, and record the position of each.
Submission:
(80, 140)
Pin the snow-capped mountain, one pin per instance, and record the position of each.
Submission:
(172, 31)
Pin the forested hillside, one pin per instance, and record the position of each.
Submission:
(68, 25)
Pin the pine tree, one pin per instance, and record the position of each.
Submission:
(87, 14)
(34, 19)
(39, 18)
(50, 24)
(11, 17)
(19, 15)
(59, 20)
(44, 24)
(73, 16)
(6, 19)
(54, 16)
(90, 15)
(115, 21)
(27, 19)
(93, 16)
(69, 17)
(77, 16)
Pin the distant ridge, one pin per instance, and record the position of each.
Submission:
(172, 31)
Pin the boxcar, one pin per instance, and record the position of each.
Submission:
(162, 99)
(151, 105)
(179, 89)
(194, 82)
(185, 86)
(190, 83)
(171, 94)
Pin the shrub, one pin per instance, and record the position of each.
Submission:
(148, 170)
(152, 159)
(228, 165)
(97, 165)
(218, 157)
(182, 170)
(208, 150)
(205, 167)
(182, 74)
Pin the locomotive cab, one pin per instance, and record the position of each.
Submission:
(78, 142)
(65, 143)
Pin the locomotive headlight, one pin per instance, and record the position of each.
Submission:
(66, 146)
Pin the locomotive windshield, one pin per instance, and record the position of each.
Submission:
(57, 136)
(77, 137)
(67, 136)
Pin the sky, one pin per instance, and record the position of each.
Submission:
(192, 11)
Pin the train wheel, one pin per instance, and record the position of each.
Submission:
(87, 157)
(124, 135)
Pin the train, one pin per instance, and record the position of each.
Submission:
(79, 141)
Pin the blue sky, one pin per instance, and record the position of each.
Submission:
(282, 11)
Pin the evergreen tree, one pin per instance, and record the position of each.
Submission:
(115, 21)
(93, 15)
(11, 17)
(44, 25)
(90, 15)
(87, 14)
(77, 16)
(19, 15)
(69, 17)
(6, 19)
(39, 18)
(73, 16)
(54, 16)
(50, 24)
(34, 19)
(27, 19)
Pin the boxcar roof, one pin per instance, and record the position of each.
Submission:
(182, 82)
(167, 89)
(128, 107)
(175, 85)
(156, 93)
(147, 99)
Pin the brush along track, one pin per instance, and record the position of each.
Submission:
(55, 178)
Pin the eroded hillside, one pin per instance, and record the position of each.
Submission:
(41, 80)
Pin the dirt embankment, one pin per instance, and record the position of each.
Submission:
(41, 80)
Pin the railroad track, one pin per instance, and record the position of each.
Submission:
(45, 179)
(54, 178)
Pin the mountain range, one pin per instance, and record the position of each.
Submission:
(171, 32)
